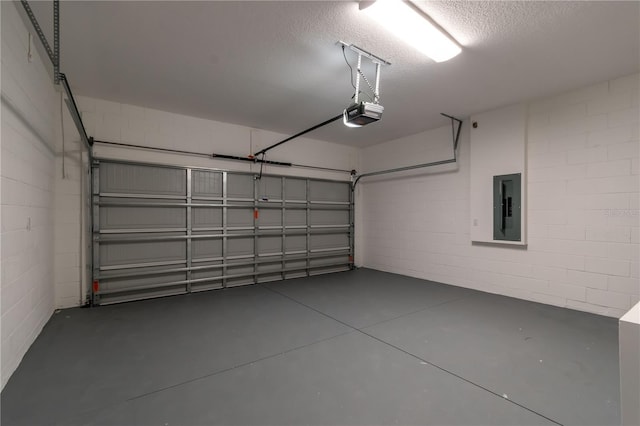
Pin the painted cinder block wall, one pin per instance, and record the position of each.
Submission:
(583, 217)
(30, 117)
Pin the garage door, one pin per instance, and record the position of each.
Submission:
(160, 230)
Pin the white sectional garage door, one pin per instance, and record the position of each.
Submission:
(160, 230)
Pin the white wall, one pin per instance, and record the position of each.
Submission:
(583, 217)
(115, 122)
(498, 147)
(29, 129)
(70, 168)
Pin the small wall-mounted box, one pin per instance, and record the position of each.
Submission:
(498, 176)
(507, 207)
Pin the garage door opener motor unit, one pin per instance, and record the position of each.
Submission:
(361, 113)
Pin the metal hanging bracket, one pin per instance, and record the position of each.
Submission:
(54, 54)
(378, 61)
(59, 77)
(456, 136)
(454, 133)
(360, 51)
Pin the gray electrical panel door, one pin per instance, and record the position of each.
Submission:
(162, 230)
(507, 207)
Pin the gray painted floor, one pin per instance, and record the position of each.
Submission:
(361, 347)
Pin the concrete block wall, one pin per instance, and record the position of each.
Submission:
(29, 129)
(116, 122)
(583, 213)
(71, 174)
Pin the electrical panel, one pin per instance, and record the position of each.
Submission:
(507, 207)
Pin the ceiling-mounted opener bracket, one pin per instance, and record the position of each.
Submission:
(378, 61)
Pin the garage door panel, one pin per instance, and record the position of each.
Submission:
(270, 217)
(240, 217)
(325, 265)
(270, 245)
(270, 188)
(295, 217)
(329, 241)
(137, 179)
(328, 269)
(295, 189)
(240, 246)
(142, 217)
(265, 268)
(240, 275)
(218, 241)
(324, 191)
(136, 293)
(133, 288)
(207, 248)
(240, 186)
(295, 243)
(295, 269)
(125, 253)
(329, 217)
(120, 284)
(207, 273)
(206, 217)
(206, 183)
(207, 285)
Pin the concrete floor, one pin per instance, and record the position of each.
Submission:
(361, 347)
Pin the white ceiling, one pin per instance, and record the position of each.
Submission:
(276, 65)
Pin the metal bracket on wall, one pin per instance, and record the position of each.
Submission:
(455, 133)
(56, 41)
(54, 54)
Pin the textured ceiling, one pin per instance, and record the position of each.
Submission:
(276, 65)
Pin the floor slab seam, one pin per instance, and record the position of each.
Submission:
(208, 375)
(244, 364)
(418, 358)
(311, 307)
(460, 377)
(412, 312)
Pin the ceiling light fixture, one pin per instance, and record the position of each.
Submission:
(409, 23)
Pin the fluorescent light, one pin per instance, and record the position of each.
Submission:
(414, 28)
